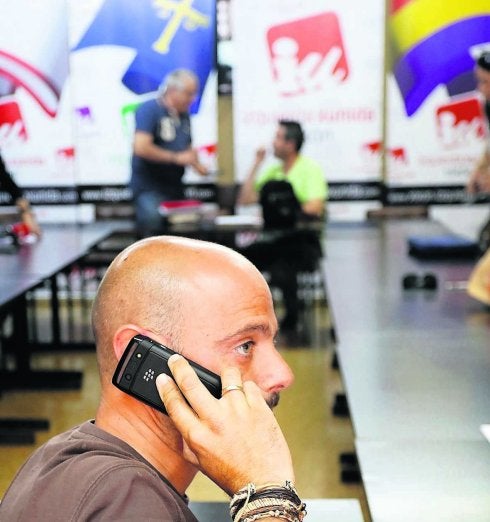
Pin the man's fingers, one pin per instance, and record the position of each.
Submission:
(232, 387)
(175, 404)
(192, 388)
(230, 376)
(189, 455)
(253, 395)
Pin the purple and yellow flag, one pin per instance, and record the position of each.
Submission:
(433, 41)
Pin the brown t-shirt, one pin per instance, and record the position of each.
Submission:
(88, 474)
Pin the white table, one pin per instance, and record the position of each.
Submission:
(319, 510)
(416, 370)
(426, 481)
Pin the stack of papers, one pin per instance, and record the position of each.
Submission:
(179, 206)
(237, 220)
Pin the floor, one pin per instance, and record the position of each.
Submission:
(316, 437)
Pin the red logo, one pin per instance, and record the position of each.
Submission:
(307, 54)
(375, 149)
(399, 154)
(12, 125)
(460, 122)
(67, 153)
(35, 81)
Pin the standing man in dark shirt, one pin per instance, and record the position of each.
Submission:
(8, 185)
(163, 148)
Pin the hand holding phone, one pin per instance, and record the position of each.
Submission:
(234, 440)
(141, 363)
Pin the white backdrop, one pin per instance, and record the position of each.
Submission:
(67, 99)
(435, 126)
(104, 105)
(36, 135)
(316, 63)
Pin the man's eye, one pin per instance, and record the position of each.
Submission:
(245, 348)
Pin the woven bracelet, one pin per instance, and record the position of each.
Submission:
(255, 502)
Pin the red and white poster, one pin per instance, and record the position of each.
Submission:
(36, 137)
(120, 52)
(315, 63)
(72, 74)
(434, 112)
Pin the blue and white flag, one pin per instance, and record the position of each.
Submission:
(166, 35)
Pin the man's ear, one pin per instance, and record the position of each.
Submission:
(122, 337)
(124, 334)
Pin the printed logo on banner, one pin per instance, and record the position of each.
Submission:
(307, 54)
(66, 154)
(166, 34)
(375, 149)
(431, 46)
(84, 114)
(65, 160)
(460, 122)
(17, 71)
(12, 126)
(127, 115)
(208, 156)
(85, 121)
(398, 154)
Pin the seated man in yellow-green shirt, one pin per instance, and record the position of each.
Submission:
(282, 256)
(305, 175)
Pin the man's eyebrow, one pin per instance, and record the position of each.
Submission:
(248, 329)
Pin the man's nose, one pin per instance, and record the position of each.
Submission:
(275, 373)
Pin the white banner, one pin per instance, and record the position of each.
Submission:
(438, 145)
(316, 62)
(435, 125)
(110, 65)
(71, 78)
(36, 137)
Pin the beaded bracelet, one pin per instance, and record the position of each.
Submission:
(253, 502)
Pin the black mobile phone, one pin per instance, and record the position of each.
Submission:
(142, 361)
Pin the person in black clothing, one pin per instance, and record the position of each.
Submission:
(479, 180)
(7, 184)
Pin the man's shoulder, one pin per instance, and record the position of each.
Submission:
(151, 107)
(305, 162)
(86, 471)
(309, 170)
(149, 103)
(82, 452)
(272, 172)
